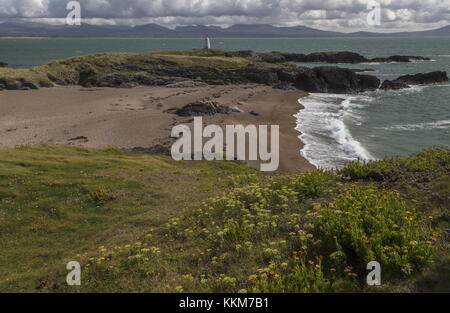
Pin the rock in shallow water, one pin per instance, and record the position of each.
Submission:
(423, 78)
(329, 79)
(390, 85)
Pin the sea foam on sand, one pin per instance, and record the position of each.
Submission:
(328, 143)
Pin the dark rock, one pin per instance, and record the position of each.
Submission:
(336, 57)
(390, 85)
(399, 58)
(83, 139)
(46, 84)
(3, 64)
(286, 75)
(329, 79)
(423, 78)
(323, 57)
(201, 108)
(294, 57)
(345, 57)
(358, 70)
(254, 113)
(30, 86)
(284, 85)
(10, 84)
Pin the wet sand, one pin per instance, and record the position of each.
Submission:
(130, 118)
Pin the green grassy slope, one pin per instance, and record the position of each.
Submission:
(148, 223)
(72, 70)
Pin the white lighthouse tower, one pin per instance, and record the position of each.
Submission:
(207, 43)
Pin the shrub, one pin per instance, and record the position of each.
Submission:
(372, 225)
(429, 161)
(100, 196)
(300, 277)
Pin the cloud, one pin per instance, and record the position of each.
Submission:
(327, 14)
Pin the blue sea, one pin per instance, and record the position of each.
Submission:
(336, 129)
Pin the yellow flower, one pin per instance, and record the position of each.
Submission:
(252, 277)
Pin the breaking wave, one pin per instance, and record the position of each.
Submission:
(328, 143)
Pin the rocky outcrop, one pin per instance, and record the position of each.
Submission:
(424, 78)
(362, 70)
(335, 57)
(418, 79)
(329, 79)
(201, 108)
(399, 58)
(343, 57)
(20, 84)
(390, 85)
(3, 64)
(186, 71)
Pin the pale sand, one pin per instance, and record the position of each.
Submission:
(129, 118)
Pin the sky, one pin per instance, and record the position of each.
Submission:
(341, 15)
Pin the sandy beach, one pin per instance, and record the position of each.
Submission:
(136, 118)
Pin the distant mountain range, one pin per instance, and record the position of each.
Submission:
(23, 29)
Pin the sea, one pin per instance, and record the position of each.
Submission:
(336, 129)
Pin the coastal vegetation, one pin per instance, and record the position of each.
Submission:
(147, 223)
(212, 67)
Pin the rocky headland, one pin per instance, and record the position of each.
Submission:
(417, 79)
(196, 68)
(344, 57)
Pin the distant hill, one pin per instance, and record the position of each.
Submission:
(22, 29)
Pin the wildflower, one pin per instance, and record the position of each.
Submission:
(188, 277)
(252, 277)
(229, 280)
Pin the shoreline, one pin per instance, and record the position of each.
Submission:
(135, 118)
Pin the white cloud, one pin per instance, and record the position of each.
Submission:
(327, 14)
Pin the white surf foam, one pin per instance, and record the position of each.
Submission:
(443, 124)
(328, 143)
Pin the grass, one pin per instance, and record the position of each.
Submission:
(55, 201)
(150, 224)
(78, 70)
